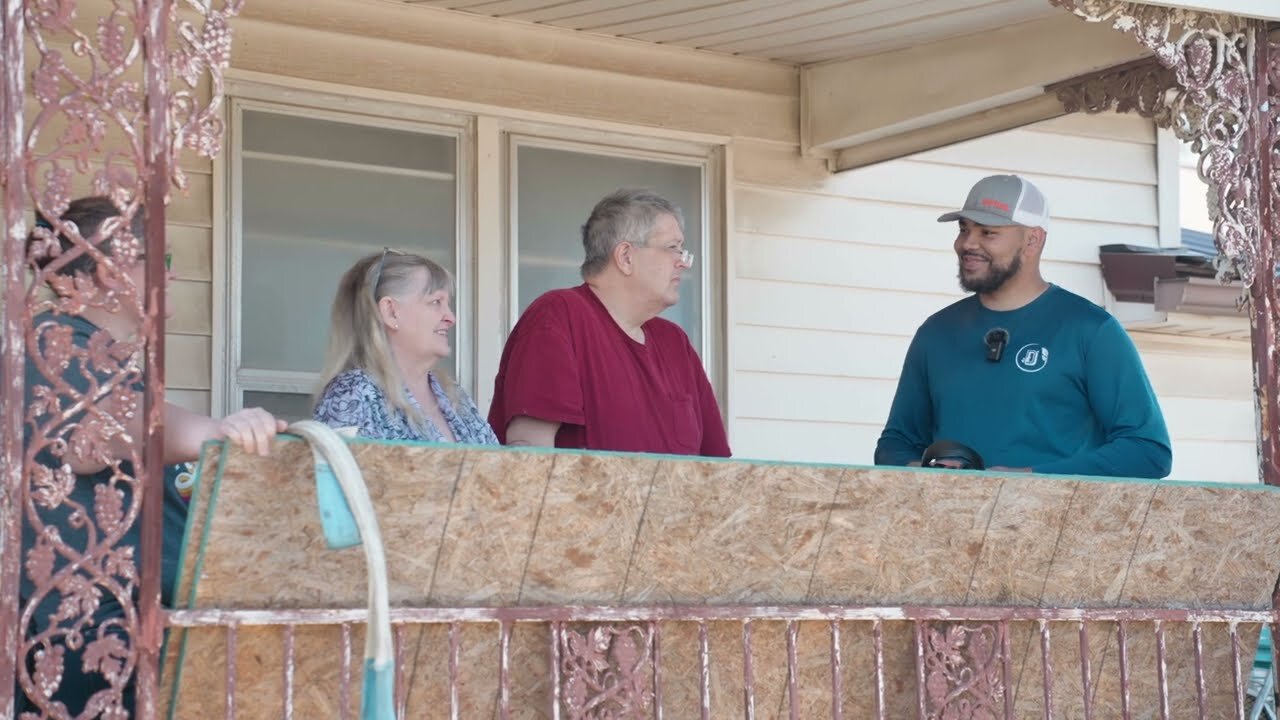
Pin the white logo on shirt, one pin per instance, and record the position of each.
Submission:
(1032, 358)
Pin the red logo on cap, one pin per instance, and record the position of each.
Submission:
(996, 204)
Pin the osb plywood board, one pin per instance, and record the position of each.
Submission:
(489, 526)
(896, 537)
(725, 533)
(264, 521)
(590, 515)
(1173, 554)
(1091, 559)
(474, 527)
(1011, 568)
(468, 527)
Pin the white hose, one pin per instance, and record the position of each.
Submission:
(327, 446)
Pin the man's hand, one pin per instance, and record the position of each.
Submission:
(1005, 468)
(252, 429)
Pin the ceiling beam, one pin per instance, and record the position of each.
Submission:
(967, 127)
(883, 106)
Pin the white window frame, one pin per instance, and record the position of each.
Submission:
(487, 294)
(709, 158)
(228, 259)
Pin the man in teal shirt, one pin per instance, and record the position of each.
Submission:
(1029, 375)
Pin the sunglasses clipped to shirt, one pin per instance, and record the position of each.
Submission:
(168, 260)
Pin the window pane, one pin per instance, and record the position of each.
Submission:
(556, 191)
(346, 142)
(316, 196)
(286, 406)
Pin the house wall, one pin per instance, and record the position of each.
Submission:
(1206, 384)
(189, 354)
(1205, 388)
(1193, 193)
(834, 273)
(827, 276)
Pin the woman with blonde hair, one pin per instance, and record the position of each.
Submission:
(389, 328)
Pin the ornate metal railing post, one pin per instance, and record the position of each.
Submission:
(12, 313)
(1264, 305)
(1214, 82)
(77, 122)
(962, 669)
(159, 151)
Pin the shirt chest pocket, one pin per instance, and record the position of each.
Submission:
(684, 427)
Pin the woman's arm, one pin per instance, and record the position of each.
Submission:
(184, 433)
(252, 429)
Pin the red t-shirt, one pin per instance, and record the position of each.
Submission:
(567, 361)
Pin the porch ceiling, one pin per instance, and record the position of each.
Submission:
(796, 32)
(877, 79)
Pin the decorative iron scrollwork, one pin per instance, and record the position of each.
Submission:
(1212, 103)
(1143, 87)
(963, 671)
(86, 133)
(607, 672)
(1273, 113)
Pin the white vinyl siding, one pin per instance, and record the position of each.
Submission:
(833, 274)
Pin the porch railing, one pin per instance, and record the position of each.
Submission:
(633, 586)
(752, 662)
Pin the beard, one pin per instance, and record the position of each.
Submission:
(994, 278)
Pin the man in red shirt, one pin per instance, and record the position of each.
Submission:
(593, 366)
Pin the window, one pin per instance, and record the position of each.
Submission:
(557, 183)
(314, 192)
(555, 188)
(312, 187)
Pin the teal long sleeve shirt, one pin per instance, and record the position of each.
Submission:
(1069, 396)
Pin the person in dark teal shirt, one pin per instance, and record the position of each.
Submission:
(1067, 394)
(83, 382)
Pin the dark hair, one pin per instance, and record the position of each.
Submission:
(87, 215)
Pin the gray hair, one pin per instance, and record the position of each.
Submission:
(626, 215)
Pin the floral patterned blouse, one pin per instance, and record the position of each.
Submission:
(354, 399)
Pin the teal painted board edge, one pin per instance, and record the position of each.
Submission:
(337, 522)
(199, 561)
(1255, 487)
(192, 510)
(208, 524)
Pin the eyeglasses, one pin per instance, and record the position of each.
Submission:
(684, 257)
(377, 274)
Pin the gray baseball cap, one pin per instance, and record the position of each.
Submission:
(1003, 200)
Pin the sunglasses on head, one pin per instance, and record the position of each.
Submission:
(377, 274)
